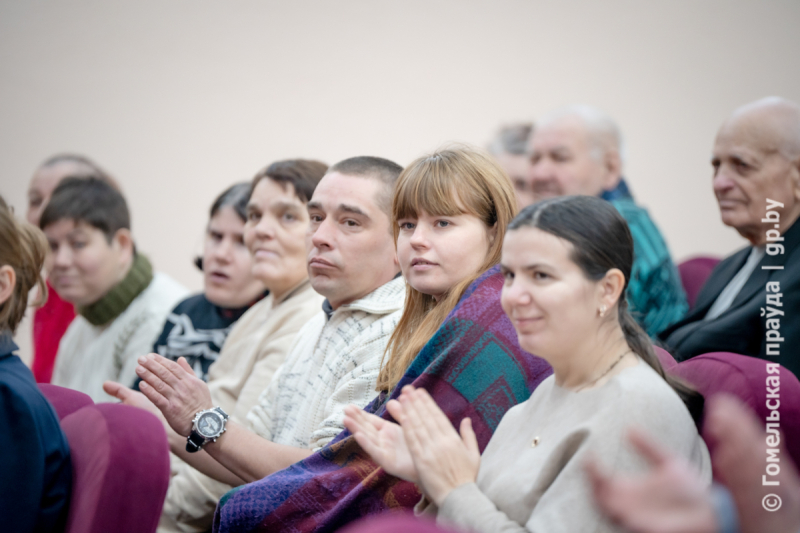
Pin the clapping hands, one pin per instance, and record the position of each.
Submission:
(174, 388)
(423, 448)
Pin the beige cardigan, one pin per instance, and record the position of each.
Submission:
(255, 348)
(543, 488)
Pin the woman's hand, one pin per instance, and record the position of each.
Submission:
(382, 440)
(174, 389)
(443, 459)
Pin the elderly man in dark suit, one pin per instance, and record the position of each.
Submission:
(751, 302)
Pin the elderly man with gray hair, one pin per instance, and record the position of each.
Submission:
(751, 302)
(577, 150)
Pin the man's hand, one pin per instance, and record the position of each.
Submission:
(174, 389)
(671, 498)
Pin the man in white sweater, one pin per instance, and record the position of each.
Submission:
(334, 361)
(121, 303)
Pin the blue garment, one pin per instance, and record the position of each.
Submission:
(655, 293)
(35, 470)
(724, 509)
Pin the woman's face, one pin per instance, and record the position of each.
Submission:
(550, 302)
(275, 234)
(437, 252)
(227, 264)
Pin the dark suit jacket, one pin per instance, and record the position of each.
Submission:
(741, 329)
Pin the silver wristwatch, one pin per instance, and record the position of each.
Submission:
(207, 426)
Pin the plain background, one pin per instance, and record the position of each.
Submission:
(179, 99)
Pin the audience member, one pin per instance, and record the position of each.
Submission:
(334, 361)
(450, 211)
(51, 320)
(578, 150)
(566, 263)
(36, 473)
(671, 498)
(510, 148)
(750, 301)
(198, 326)
(121, 303)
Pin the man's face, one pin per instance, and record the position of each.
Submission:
(351, 246)
(85, 265)
(748, 169)
(562, 162)
(517, 166)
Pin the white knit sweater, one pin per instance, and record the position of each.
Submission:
(333, 363)
(89, 355)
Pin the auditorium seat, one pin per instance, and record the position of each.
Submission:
(694, 273)
(746, 378)
(120, 468)
(66, 401)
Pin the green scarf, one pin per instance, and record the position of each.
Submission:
(121, 295)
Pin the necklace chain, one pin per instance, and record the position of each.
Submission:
(598, 378)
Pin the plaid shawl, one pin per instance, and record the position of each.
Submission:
(473, 366)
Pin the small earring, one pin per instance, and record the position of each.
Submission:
(602, 311)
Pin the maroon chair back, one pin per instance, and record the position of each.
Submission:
(746, 378)
(395, 522)
(665, 358)
(120, 469)
(66, 401)
(694, 273)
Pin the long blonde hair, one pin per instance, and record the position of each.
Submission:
(449, 182)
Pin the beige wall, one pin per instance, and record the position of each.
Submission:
(179, 99)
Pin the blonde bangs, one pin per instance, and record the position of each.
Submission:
(450, 182)
(427, 188)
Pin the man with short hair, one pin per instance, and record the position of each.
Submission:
(510, 148)
(334, 361)
(121, 303)
(578, 150)
(751, 301)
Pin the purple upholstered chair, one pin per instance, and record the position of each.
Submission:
(66, 401)
(694, 273)
(665, 358)
(120, 469)
(399, 522)
(746, 378)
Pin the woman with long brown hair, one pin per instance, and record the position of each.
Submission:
(451, 210)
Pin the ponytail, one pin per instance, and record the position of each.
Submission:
(602, 240)
(641, 345)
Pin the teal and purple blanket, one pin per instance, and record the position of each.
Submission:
(473, 366)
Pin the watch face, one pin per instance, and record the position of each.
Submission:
(209, 424)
